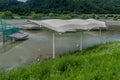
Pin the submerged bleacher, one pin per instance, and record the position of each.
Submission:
(11, 32)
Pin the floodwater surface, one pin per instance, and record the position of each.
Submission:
(39, 44)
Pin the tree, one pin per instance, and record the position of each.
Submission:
(61, 6)
(7, 15)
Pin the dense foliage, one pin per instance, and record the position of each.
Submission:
(101, 62)
(61, 6)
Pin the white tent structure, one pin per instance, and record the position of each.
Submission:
(60, 25)
(71, 25)
(96, 24)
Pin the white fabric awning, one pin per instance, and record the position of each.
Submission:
(96, 24)
(60, 25)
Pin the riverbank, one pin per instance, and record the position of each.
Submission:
(109, 20)
(23, 54)
(98, 62)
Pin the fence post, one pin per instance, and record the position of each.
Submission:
(81, 40)
(53, 45)
(100, 35)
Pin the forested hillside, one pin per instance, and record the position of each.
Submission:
(61, 6)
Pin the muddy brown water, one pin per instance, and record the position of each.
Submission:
(39, 44)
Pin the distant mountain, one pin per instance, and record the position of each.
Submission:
(61, 6)
(8, 4)
(77, 6)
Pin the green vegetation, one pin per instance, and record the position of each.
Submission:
(61, 6)
(36, 16)
(7, 15)
(101, 62)
(115, 17)
(33, 15)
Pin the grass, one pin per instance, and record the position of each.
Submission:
(101, 62)
(39, 16)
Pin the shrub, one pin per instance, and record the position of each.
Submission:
(72, 15)
(24, 17)
(7, 15)
(93, 16)
(37, 16)
(1, 15)
(115, 17)
(66, 16)
(51, 14)
(106, 16)
(84, 16)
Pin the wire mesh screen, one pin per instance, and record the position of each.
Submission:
(67, 42)
(42, 41)
(70, 42)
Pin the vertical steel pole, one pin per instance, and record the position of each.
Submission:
(53, 45)
(100, 35)
(3, 36)
(81, 41)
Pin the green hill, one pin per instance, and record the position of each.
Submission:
(101, 62)
(61, 6)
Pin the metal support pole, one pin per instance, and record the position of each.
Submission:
(100, 35)
(81, 41)
(3, 38)
(53, 45)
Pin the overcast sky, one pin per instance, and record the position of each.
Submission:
(22, 0)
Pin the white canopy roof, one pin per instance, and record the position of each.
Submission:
(60, 25)
(96, 24)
